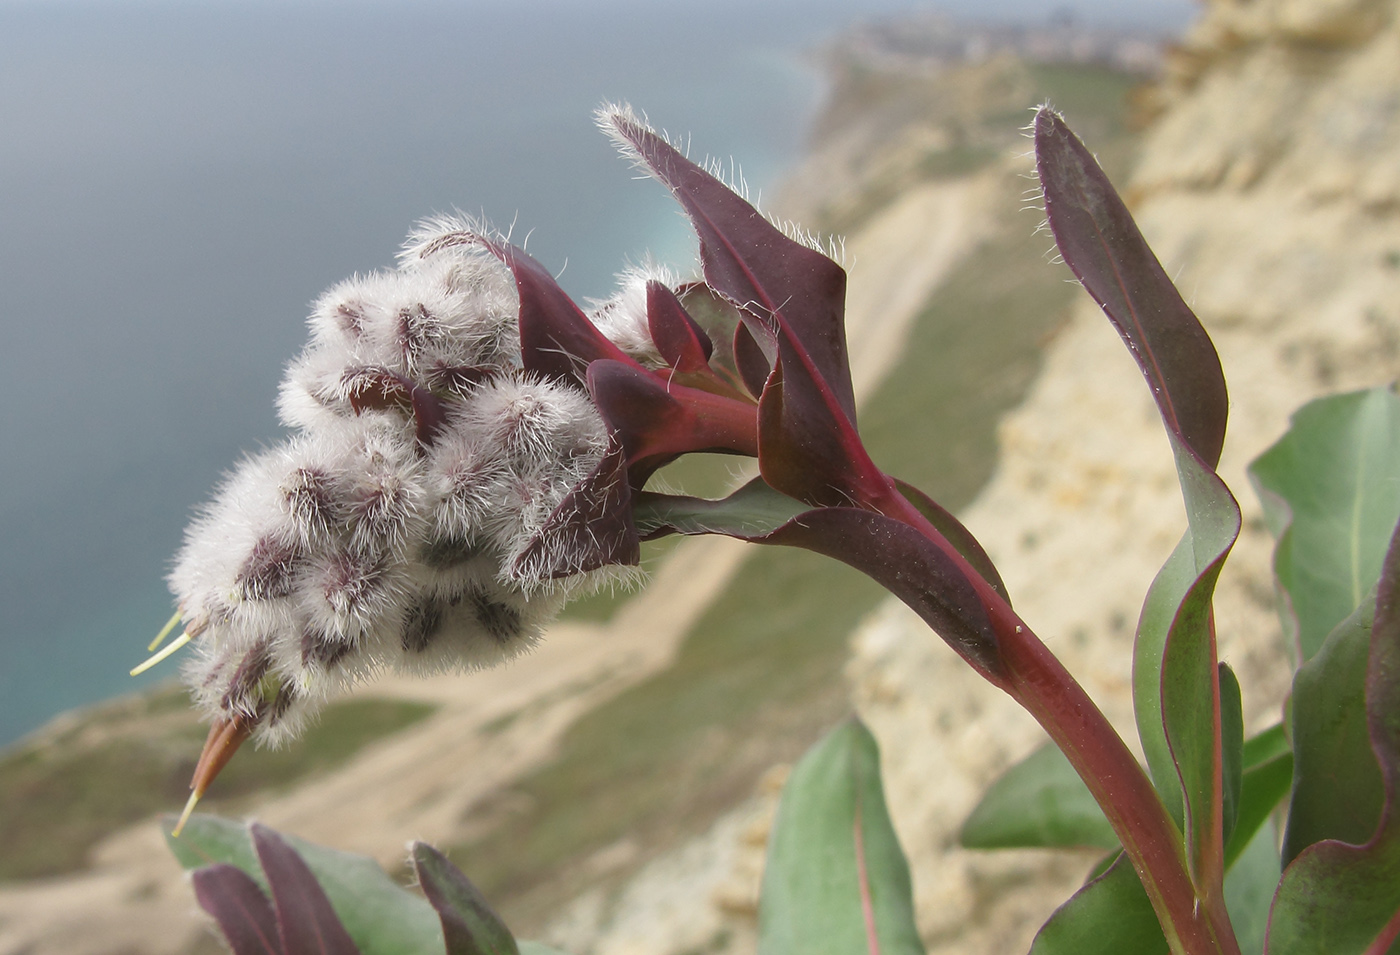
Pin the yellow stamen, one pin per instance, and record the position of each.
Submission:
(175, 644)
(185, 816)
(164, 632)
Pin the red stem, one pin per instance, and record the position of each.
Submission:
(1036, 679)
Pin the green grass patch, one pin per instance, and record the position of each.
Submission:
(128, 760)
(758, 675)
(975, 114)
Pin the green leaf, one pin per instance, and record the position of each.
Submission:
(1164, 597)
(1337, 791)
(1109, 916)
(469, 925)
(381, 916)
(836, 880)
(1249, 888)
(751, 512)
(1336, 897)
(1041, 801)
(1231, 749)
(1331, 496)
(1175, 676)
(1267, 778)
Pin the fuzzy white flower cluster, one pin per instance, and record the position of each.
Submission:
(385, 530)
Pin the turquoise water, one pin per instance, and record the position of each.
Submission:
(177, 181)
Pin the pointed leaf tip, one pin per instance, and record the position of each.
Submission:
(749, 260)
(469, 925)
(306, 921)
(1100, 242)
(243, 913)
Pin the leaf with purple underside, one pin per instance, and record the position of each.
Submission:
(305, 920)
(469, 924)
(754, 366)
(682, 343)
(244, 914)
(903, 560)
(751, 262)
(718, 318)
(556, 339)
(1101, 244)
(807, 447)
(1176, 682)
(381, 390)
(591, 528)
(653, 417)
(1335, 897)
(956, 533)
(383, 917)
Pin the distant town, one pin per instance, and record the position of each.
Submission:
(934, 41)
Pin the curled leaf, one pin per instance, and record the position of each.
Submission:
(749, 260)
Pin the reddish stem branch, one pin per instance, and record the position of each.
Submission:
(1036, 679)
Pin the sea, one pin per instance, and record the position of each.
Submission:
(180, 178)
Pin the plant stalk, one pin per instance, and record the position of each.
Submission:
(1036, 679)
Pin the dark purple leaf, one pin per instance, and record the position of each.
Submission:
(1102, 245)
(637, 406)
(900, 558)
(808, 447)
(429, 416)
(591, 528)
(682, 343)
(718, 317)
(308, 924)
(908, 565)
(752, 263)
(382, 390)
(957, 535)
(1340, 898)
(469, 925)
(458, 379)
(754, 366)
(556, 339)
(244, 914)
(653, 417)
